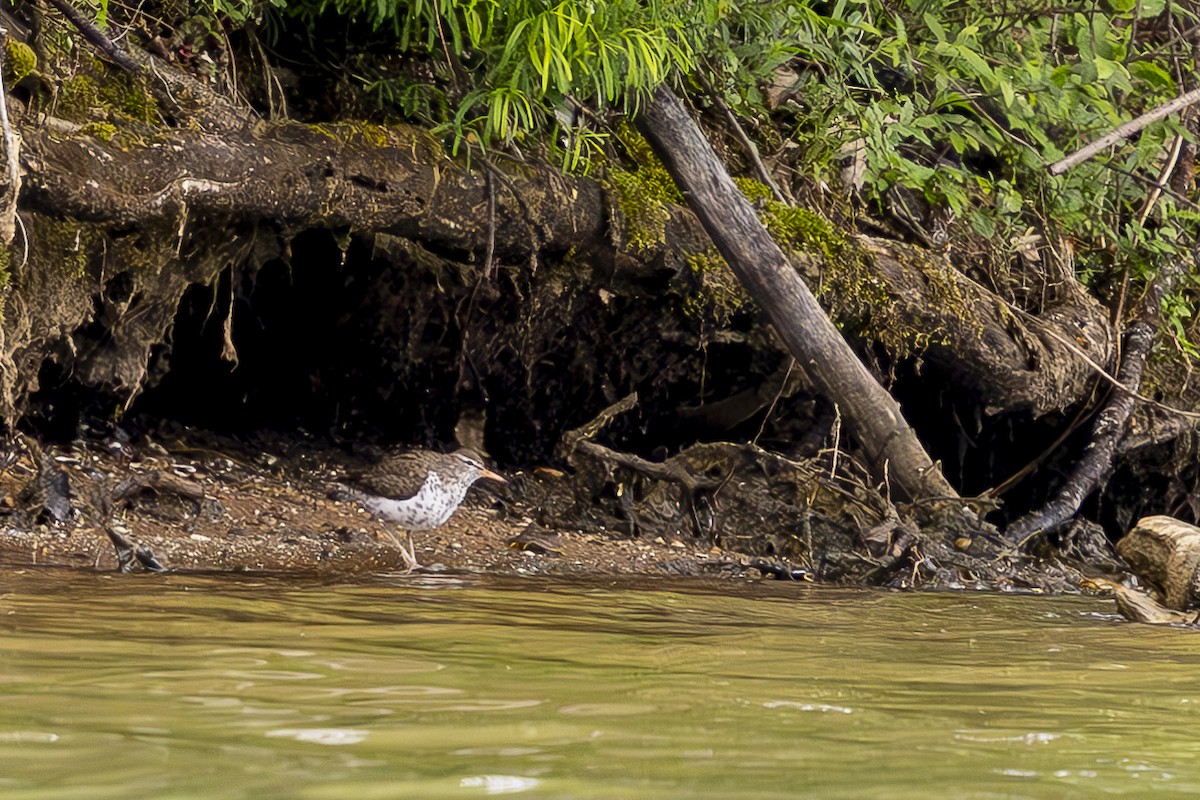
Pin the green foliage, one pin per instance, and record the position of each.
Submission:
(956, 107)
(531, 63)
(962, 106)
(209, 12)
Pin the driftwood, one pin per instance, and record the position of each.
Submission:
(1165, 552)
(1095, 465)
(579, 440)
(893, 450)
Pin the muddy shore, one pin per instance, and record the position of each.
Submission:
(202, 503)
(271, 504)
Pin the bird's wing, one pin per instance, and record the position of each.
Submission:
(398, 475)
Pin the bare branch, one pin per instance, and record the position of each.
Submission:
(96, 36)
(12, 157)
(1125, 131)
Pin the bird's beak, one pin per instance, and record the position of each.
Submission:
(487, 473)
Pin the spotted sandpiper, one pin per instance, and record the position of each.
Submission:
(419, 489)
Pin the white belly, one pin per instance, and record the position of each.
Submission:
(427, 509)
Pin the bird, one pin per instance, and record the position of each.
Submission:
(419, 490)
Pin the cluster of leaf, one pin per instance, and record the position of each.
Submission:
(965, 104)
(512, 67)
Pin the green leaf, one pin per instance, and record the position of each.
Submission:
(983, 223)
(1153, 74)
(934, 26)
(1007, 92)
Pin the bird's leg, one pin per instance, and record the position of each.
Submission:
(409, 553)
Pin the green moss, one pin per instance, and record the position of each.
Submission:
(110, 96)
(643, 200)
(5, 264)
(329, 131)
(754, 191)
(129, 95)
(803, 230)
(65, 246)
(366, 132)
(77, 97)
(19, 61)
(5, 276)
(642, 196)
(716, 294)
(635, 145)
(103, 131)
(850, 288)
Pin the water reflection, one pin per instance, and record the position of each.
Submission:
(190, 686)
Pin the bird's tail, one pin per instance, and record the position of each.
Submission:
(344, 493)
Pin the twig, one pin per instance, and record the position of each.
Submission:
(1104, 374)
(228, 350)
(577, 440)
(535, 238)
(490, 254)
(12, 153)
(774, 401)
(837, 440)
(651, 469)
(1163, 176)
(577, 436)
(96, 36)
(1012, 480)
(1123, 131)
(747, 145)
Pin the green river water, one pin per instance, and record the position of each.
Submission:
(220, 687)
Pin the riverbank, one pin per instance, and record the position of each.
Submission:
(200, 502)
(269, 503)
